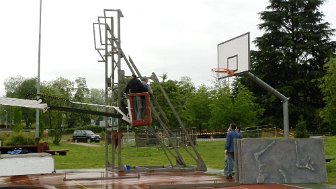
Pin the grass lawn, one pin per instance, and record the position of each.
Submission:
(82, 157)
(330, 150)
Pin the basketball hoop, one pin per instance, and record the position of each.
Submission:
(227, 72)
(233, 56)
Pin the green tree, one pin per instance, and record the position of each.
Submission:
(81, 95)
(178, 92)
(301, 129)
(164, 77)
(171, 89)
(328, 87)
(27, 90)
(220, 108)
(237, 106)
(197, 111)
(56, 93)
(11, 85)
(185, 89)
(292, 51)
(20, 87)
(97, 96)
(245, 110)
(82, 91)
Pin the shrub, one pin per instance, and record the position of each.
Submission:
(301, 129)
(18, 128)
(19, 139)
(3, 136)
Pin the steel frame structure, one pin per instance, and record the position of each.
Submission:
(107, 42)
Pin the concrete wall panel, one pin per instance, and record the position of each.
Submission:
(281, 161)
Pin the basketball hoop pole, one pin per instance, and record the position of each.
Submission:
(283, 98)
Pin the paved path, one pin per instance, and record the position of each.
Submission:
(85, 144)
(210, 139)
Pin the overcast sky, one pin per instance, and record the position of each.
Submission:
(177, 37)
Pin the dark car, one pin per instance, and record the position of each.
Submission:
(85, 136)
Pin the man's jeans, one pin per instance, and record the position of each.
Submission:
(229, 163)
(138, 107)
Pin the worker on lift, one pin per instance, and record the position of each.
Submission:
(135, 86)
(144, 81)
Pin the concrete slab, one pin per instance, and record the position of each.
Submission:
(159, 180)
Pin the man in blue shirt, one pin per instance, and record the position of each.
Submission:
(144, 81)
(229, 150)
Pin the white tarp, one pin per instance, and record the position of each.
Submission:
(23, 103)
(26, 164)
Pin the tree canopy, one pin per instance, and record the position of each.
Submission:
(328, 87)
(291, 54)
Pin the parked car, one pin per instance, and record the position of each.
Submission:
(85, 136)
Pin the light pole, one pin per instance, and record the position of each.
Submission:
(37, 132)
(6, 118)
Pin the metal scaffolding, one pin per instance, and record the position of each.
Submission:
(107, 41)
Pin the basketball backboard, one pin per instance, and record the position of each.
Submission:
(233, 56)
